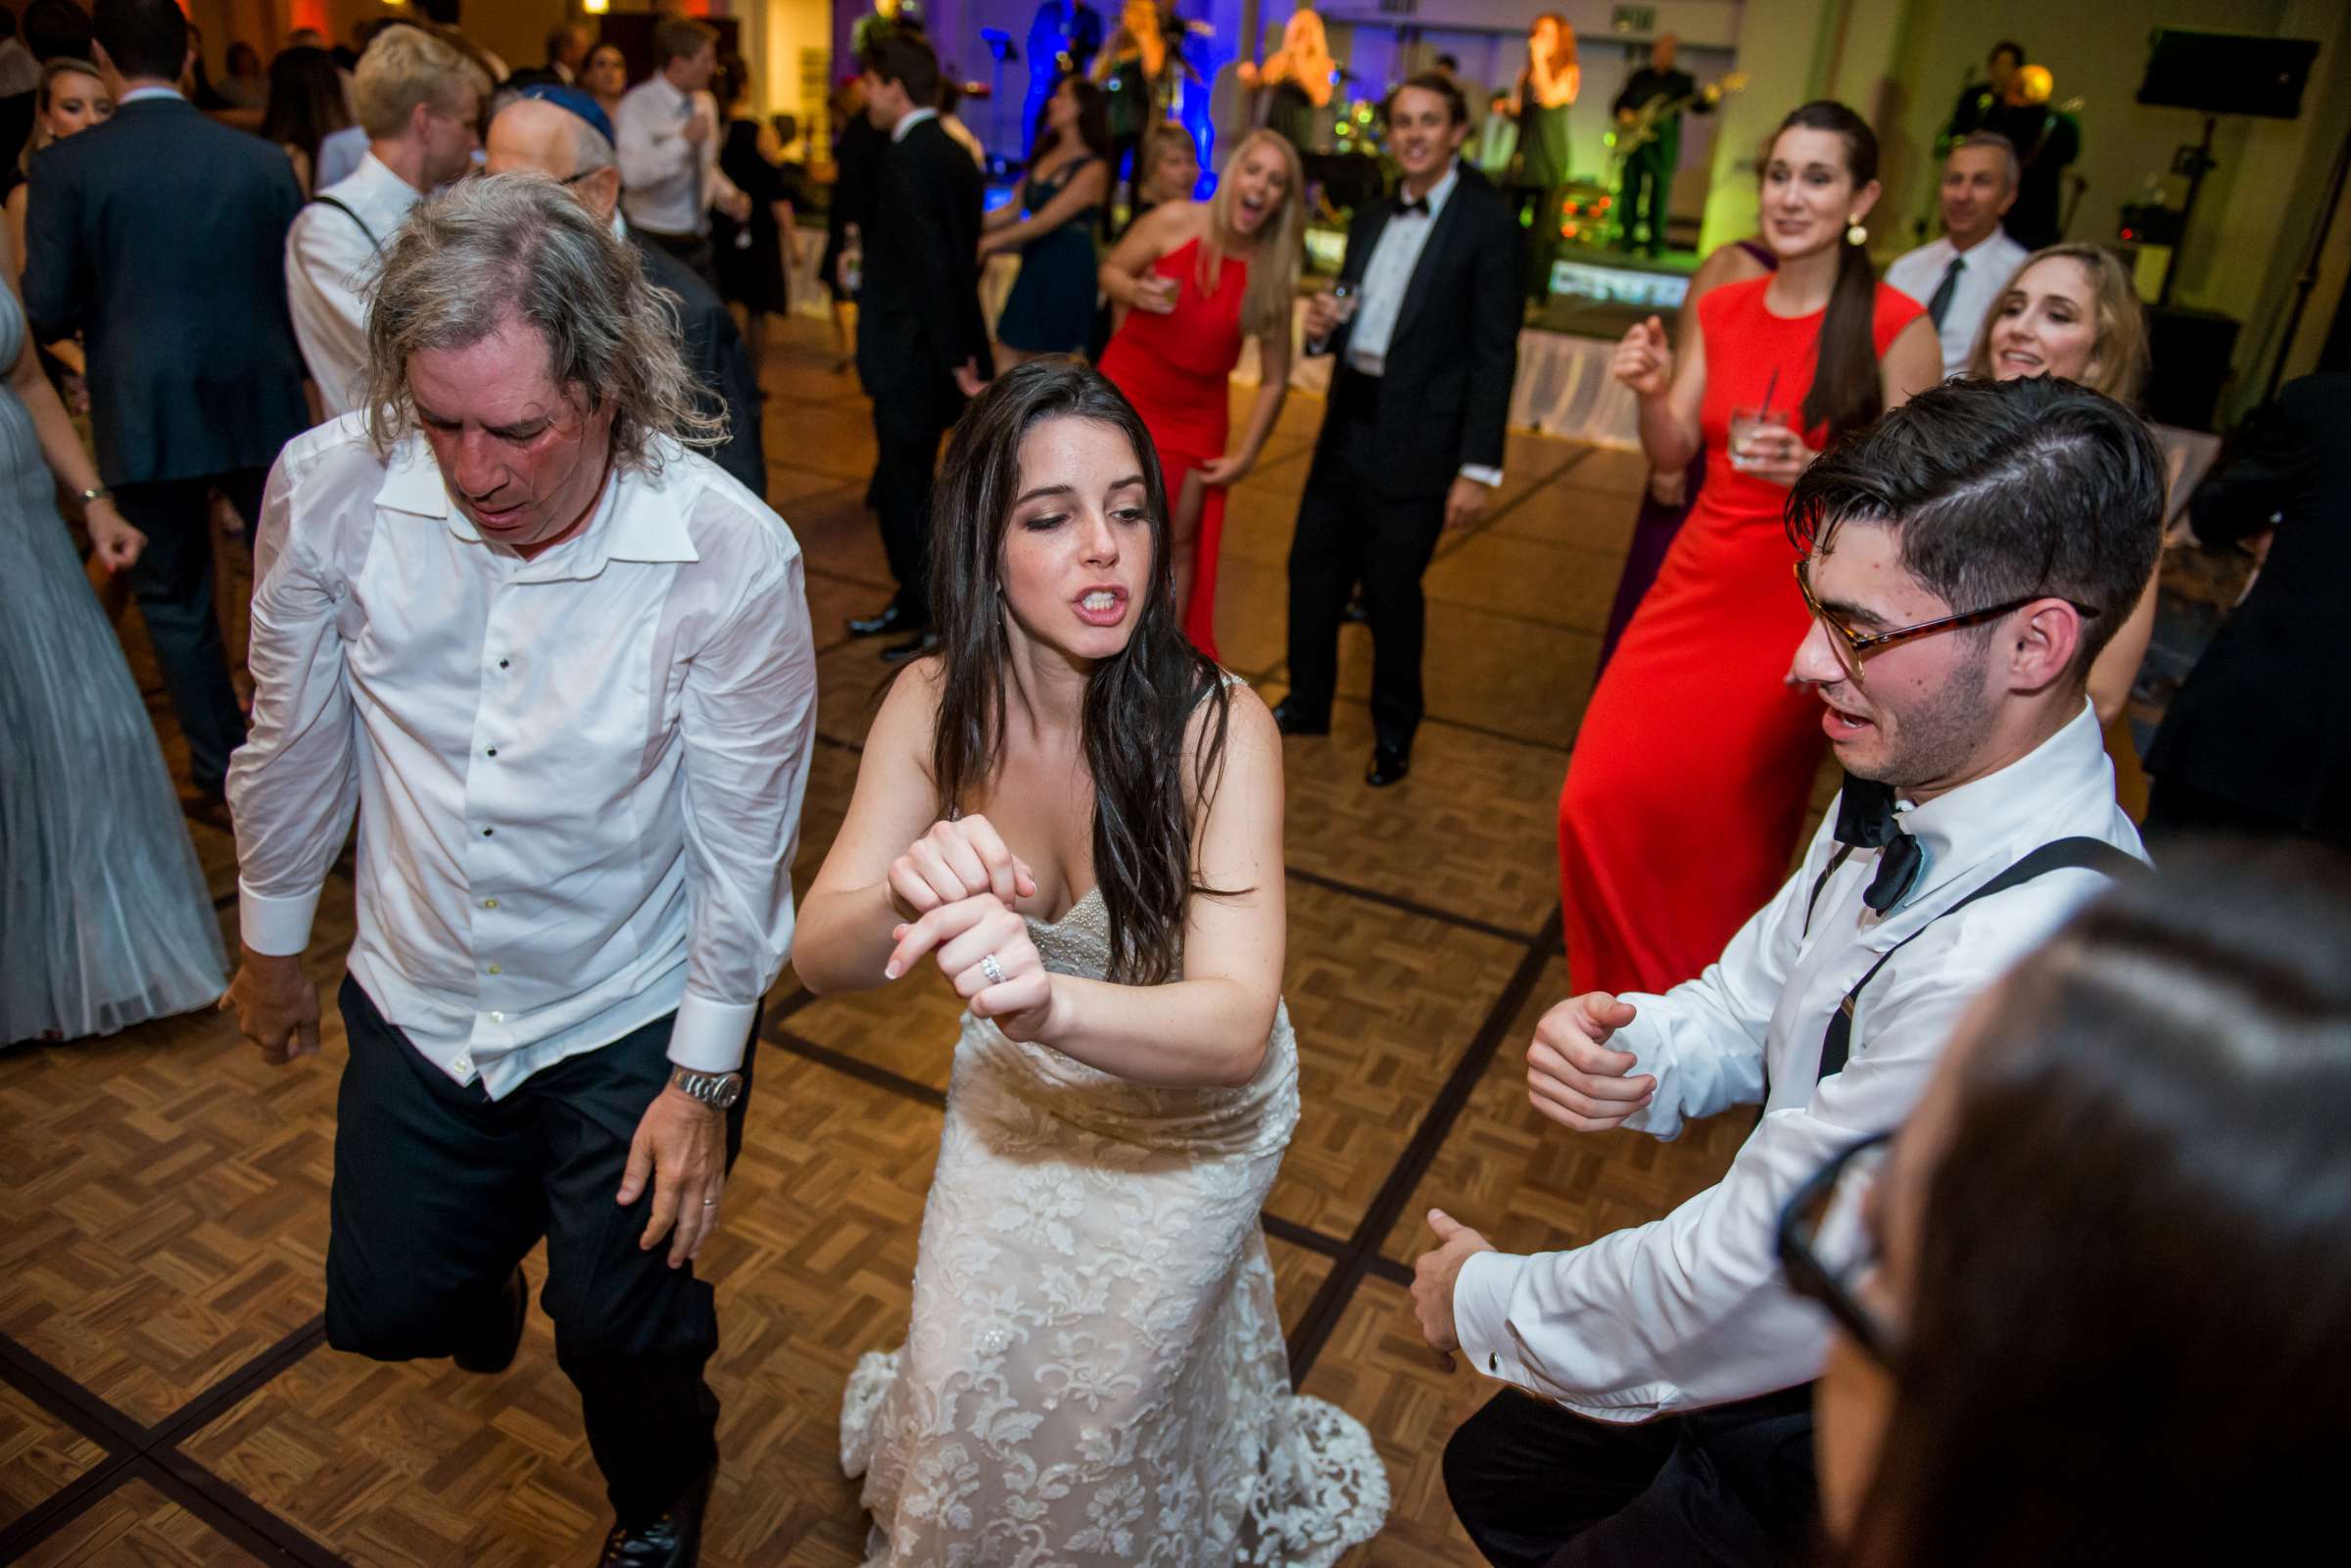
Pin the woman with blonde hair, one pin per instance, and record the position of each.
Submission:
(1191, 281)
(1548, 85)
(72, 97)
(2071, 312)
(1299, 76)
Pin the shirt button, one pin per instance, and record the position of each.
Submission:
(493, 751)
(487, 832)
(502, 664)
(495, 970)
(489, 903)
(465, 1064)
(498, 1018)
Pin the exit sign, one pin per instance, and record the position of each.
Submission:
(1633, 19)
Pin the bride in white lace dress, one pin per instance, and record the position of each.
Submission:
(1095, 1373)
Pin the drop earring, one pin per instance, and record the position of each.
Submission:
(1854, 233)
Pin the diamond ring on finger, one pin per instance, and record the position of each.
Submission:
(992, 968)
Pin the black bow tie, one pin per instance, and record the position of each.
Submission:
(1865, 820)
(1419, 203)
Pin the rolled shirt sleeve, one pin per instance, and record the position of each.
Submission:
(748, 724)
(294, 785)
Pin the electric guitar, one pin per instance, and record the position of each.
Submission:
(1650, 120)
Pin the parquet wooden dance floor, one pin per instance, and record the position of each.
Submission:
(165, 1394)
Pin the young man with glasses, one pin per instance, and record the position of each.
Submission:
(1965, 559)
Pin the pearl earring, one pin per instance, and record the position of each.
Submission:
(1854, 233)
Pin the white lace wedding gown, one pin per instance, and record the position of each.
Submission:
(1094, 1374)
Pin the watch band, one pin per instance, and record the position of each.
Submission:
(100, 494)
(717, 1090)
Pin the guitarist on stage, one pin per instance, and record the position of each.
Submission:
(1648, 189)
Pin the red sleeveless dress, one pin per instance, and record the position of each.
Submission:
(1173, 368)
(1696, 758)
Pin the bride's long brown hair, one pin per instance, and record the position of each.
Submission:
(1140, 702)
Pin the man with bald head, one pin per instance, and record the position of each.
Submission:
(564, 133)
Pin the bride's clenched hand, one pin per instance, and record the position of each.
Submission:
(954, 861)
(984, 951)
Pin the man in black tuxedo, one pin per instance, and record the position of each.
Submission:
(1411, 440)
(921, 341)
(2259, 738)
(160, 237)
(562, 132)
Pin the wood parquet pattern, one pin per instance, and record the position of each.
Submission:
(166, 1395)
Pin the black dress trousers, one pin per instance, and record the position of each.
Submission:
(1733, 1486)
(1352, 529)
(439, 1193)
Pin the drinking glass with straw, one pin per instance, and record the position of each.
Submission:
(1746, 424)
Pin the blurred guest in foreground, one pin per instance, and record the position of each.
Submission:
(1194, 281)
(2088, 1306)
(2258, 738)
(194, 378)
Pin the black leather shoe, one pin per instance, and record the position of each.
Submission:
(497, 1351)
(913, 648)
(1388, 766)
(896, 620)
(673, 1541)
(1289, 721)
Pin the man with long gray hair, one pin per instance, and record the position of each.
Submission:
(564, 663)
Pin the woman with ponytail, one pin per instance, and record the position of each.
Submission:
(1695, 757)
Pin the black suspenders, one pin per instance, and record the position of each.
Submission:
(329, 201)
(2085, 854)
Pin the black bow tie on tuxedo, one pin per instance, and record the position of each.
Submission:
(1865, 820)
(1419, 203)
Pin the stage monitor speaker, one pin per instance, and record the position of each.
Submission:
(2188, 364)
(2227, 72)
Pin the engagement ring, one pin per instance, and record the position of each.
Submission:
(992, 968)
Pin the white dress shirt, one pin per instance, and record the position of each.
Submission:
(581, 774)
(1692, 1310)
(330, 261)
(1383, 283)
(664, 183)
(1991, 265)
(908, 120)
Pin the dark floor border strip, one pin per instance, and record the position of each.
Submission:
(1387, 1268)
(63, 1507)
(840, 1062)
(58, 1393)
(268, 1536)
(1321, 1317)
(1408, 906)
(232, 1390)
(1297, 1235)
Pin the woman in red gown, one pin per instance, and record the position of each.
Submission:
(1695, 757)
(1191, 280)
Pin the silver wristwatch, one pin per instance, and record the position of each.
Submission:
(717, 1090)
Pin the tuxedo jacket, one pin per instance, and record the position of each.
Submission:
(160, 237)
(2265, 717)
(719, 360)
(1446, 391)
(918, 310)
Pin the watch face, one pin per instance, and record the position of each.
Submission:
(725, 1091)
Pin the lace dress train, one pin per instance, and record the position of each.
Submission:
(1095, 1371)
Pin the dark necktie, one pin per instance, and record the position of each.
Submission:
(1944, 290)
(1865, 820)
(1419, 203)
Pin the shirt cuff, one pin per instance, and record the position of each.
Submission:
(710, 1037)
(276, 925)
(1481, 1313)
(1491, 478)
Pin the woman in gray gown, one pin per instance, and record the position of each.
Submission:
(105, 920)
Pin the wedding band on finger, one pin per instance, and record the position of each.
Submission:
(992, 968)
(710, 1203)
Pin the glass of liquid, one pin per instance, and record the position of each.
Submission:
(1749, 424)
(1348, 297)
